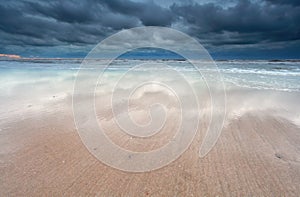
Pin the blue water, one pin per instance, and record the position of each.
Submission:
(280, 75)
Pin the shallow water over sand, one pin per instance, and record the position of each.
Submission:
(256, 154)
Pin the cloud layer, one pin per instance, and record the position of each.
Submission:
(71, 28)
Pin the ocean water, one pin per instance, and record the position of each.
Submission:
(46, 86)
(274, 75)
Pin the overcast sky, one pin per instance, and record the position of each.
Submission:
(257, 29)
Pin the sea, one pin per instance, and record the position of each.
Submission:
(281, 75)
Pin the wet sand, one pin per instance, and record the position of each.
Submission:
(257, 154)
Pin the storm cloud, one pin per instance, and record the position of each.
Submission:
(36, 28)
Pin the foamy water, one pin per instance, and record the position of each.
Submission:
(29, 84)
(278, 75)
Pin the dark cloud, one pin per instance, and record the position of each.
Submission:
(45, 25)
(66, 11)
(285, 2)
(149, 13)
(40, 23)
(251, 22)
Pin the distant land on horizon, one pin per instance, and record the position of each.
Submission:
(15, 57)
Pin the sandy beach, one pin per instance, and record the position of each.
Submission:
(162, 98)
(257, 154)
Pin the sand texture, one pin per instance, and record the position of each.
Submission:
(257, 154)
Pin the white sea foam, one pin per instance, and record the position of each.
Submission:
(282, 75)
